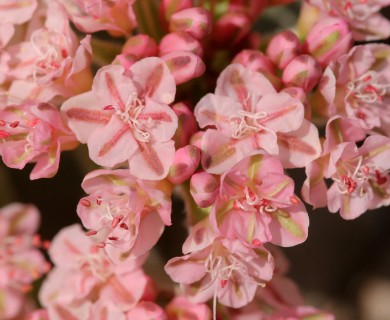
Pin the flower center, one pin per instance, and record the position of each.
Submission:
(222, 268)
(246, 122)
(115, 214)
(367, 88)
(50, 48)
(252, 202)
(96, 265)
(362, 178)
(130, 115)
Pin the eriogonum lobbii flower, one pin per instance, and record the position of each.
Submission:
(83, 274)
(225, 269)
(34, 132)
(357, 86)
(52, 61)
(126, 117)
(124, 215)
(245, 115)
(21, 262)
(360, 177)
(363, 16)
(115, 16)
(256, 204)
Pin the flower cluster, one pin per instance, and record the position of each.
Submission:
(176, 97)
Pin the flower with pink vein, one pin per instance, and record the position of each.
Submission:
(34, 132)
(124, 215)
(126, 117)
(364, 16)
(256, 204)
(246, 116)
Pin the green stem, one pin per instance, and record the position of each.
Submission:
(148, 18)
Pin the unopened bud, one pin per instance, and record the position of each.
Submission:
(186, 124)
(184, 66)
(169, 7)
(141, 46)
(303, 71)
(204, 189)
(329, 39)
(185, 162)
(194, 21)
(180, 41)
(283, 47)
(230, 29)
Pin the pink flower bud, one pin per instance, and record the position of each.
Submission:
(329, 39)
(169, 7)
(204, 189)
(196, 139)
(283, 47)
(141, 46)
(186, 124)
(303, 71)
(230, 29)
(180, 41)
(184, 66)
(257, 61)
(185, 162)
(194, 21)
(125, 60)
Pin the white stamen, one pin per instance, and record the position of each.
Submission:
(133, 108)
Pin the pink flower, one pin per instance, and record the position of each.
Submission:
(53, 61)
(360, 177)
(124, 213)
(363, 16)
(256, 204)
(246, 116)
(357, 87)
(34, 132)
(126, 118)
(226, 270)
(84, 274)
(115, 16)
(21, 262)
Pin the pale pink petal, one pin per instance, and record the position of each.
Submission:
(112, 144)
(240, 83)
(68, 245)
(84, 115)
(151, 161)
(189, 268)
(159, 120)
(153, 79)
(289, 226)
(214, 110)
(201, 236)
(283, 113)
(113, 88)
(299, 147)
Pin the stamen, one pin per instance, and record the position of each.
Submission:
(91, 233)
(246, 122)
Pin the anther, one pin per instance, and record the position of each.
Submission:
(4, 134)
(101, 245)
(14, 124)
(116, 221)
(113, 238)
(85, 202)
(124, 226)
(91, 233)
